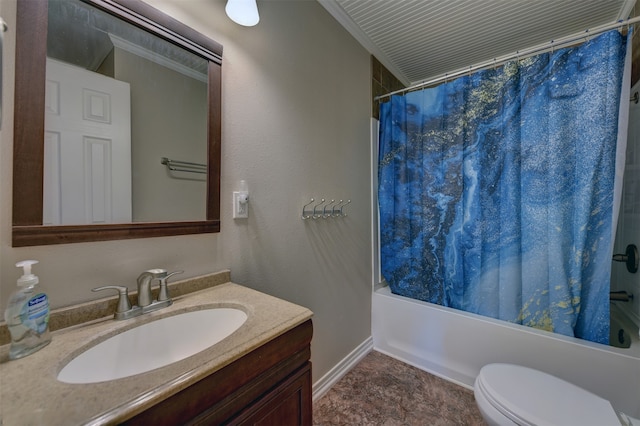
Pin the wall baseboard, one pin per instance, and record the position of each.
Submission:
(325, 383)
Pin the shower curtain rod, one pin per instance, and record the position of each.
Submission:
(501, 60)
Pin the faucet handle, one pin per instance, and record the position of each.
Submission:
(124, 304)
(164, 291)
(156, 273)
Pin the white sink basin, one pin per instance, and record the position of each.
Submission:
(152, 345)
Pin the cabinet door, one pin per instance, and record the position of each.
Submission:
(289, 404)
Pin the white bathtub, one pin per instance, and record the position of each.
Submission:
(455, 345)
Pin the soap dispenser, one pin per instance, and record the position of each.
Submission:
(27, 315)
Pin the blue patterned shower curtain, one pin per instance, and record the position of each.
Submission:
(496, 189)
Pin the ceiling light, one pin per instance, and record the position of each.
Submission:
(243, 12)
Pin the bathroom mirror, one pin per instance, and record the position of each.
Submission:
(163, 81)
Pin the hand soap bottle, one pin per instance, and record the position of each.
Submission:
(27, 315)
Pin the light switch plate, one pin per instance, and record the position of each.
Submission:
(240, 209)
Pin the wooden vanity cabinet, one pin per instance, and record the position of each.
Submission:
(269, 386)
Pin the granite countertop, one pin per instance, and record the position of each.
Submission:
(30, 394)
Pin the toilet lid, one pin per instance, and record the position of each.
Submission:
(531, 397)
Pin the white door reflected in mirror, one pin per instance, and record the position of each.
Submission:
(87, 163)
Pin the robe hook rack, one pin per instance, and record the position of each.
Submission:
(324, 209)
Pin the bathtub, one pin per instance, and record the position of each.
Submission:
(454, 345)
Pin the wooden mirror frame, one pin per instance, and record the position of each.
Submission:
(29, 113)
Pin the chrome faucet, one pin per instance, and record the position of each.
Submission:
(124, 310)
(144, 285)
(145, 299)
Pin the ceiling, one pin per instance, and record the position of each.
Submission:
(418, 40)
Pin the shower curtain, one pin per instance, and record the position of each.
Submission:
(496, 189)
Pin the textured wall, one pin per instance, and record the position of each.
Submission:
(296, 107)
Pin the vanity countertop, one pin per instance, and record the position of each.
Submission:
(30, 394)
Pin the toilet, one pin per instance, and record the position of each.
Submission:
(509, 394)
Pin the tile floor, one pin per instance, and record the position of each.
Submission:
(382, 391)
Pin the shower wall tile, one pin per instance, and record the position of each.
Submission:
(382, 82)
(635, 66)
(628, 231)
